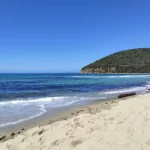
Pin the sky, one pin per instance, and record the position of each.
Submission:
(44, 36)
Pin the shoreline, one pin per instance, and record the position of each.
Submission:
(82, 126)
(65, 113)
(28, 123)
(48, 118)
(116, 73)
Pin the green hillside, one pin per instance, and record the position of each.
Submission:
(128, 61)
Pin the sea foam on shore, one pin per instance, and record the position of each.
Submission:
(117, 125)
(27, 96)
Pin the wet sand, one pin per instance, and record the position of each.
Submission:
(48, 118)
(114, 124)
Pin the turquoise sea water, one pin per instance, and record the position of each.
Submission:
(25, 96)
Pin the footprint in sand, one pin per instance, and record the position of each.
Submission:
(148, 142)
(55, 143)
(131, 132)
(120, 122)
(76, 143)
(41, 132)
(110, 119)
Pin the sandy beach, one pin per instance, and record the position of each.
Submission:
(116, 125)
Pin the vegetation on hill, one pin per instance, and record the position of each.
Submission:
(129, 61)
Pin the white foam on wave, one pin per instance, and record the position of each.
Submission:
(148, 85)
(42, 108)
(133, 89)
(28, 101)
(114, 76)
(66, 100)
(130, 76)
(67, 103)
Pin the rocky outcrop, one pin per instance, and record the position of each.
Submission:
(3, 137)
(126, 95)
(99, 70)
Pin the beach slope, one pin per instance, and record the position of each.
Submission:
(123, 126)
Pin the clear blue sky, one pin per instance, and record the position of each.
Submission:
(65, 35)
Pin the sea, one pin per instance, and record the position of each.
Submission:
(27, 96)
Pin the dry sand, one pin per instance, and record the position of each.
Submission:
(113, 125)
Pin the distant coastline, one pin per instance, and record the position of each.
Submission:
(114, 73)
(133, 61)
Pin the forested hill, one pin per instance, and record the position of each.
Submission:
(128, 61)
